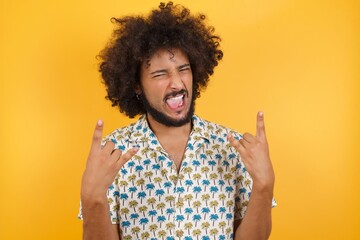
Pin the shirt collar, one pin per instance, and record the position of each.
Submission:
(141, 132)
(199, 128)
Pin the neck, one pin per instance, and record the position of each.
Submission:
(162, 130)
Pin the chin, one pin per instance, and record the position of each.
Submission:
(181, 118)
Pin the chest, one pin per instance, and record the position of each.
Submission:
(176, 151)
(201, 196)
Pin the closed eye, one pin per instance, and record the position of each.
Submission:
(158, 75)
(184, 67)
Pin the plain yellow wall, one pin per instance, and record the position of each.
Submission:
(297, 60)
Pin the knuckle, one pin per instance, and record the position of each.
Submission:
(129, 154)
(96, 138)
(102, 158)
(235, 143)
(109, 145)
(115, 151)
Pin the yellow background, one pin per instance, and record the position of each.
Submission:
(297, 60)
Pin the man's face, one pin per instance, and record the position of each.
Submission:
(166, 84)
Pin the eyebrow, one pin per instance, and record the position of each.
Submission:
(164, 70)
(184, 65)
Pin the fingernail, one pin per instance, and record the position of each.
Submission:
(261, 114)
(100, 123)
(135, 149)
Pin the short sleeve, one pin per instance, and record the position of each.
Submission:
(113, 200)
(80, 212)
(243, 190)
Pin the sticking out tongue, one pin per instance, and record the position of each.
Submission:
(175, 102)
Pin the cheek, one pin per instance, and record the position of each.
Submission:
(155, 92)
(189, 83)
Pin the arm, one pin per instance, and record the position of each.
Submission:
(96, 223)
(254, 152)
(102, 166)
(257, 221)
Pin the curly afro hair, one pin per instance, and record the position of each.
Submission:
(136, 39)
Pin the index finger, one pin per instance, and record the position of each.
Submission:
(97, 136)
(260, 125)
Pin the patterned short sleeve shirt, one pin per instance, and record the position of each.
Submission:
(151, 200)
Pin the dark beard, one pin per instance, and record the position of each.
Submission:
(165, 120)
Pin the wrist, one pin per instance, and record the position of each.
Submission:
(264, 190)
(91, 191)
(90, 204)
(93, 197)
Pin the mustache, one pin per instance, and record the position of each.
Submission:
(174, 94)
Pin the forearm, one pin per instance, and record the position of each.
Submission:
(96, 223)
(256, 224)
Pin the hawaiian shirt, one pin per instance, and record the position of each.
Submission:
(149, 199)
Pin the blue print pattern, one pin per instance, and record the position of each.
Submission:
(149, 199)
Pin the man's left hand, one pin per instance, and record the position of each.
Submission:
(254, 152)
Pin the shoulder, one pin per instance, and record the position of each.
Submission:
(124, 134)
(214, 130)
(120, 133)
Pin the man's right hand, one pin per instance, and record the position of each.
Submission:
(103, 164)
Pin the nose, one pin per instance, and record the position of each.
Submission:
(176, 81)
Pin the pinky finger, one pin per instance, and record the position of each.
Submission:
(243, 152)
(233, 142)
(238, 146)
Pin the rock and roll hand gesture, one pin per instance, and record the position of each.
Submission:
(103, 164)
(254, 153)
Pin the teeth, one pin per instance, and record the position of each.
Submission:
(178, 97)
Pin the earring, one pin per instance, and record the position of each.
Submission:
(137, 96)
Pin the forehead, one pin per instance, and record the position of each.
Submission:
(164, 58)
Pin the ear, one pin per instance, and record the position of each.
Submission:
(137, 89)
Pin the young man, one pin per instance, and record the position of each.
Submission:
(172, 174)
